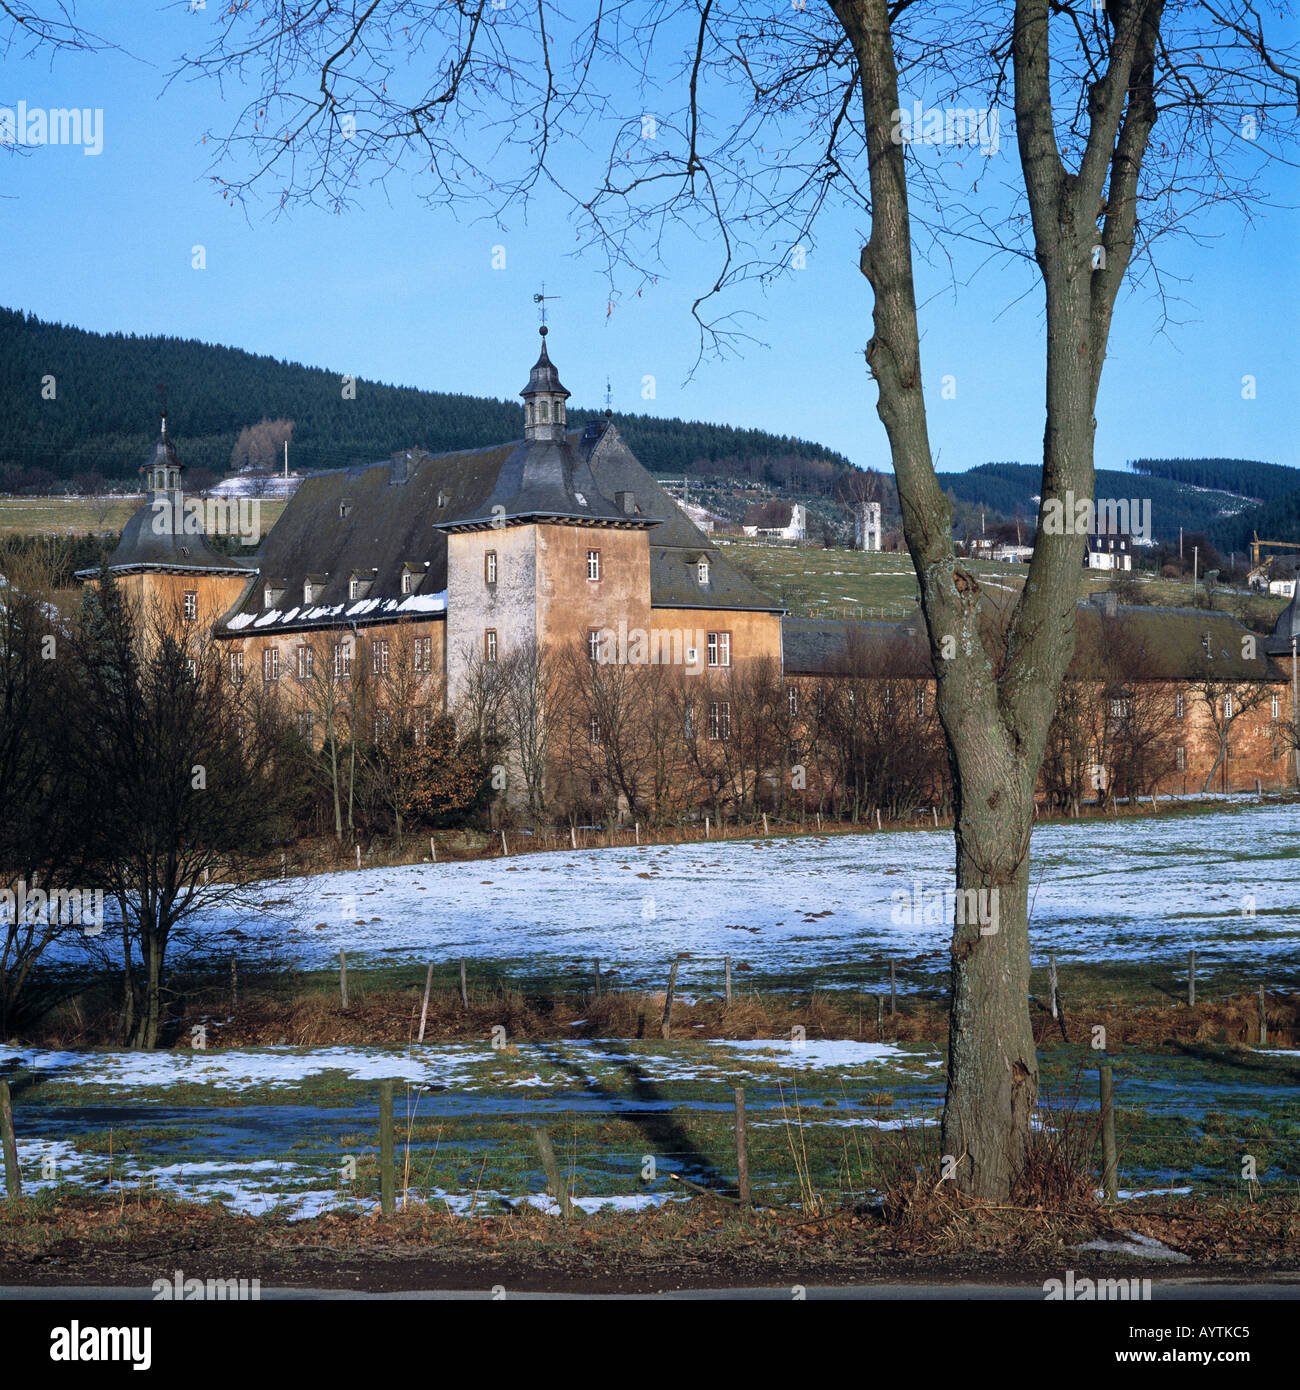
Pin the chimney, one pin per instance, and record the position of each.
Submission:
(626, 502)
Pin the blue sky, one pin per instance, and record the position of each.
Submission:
(402, 293)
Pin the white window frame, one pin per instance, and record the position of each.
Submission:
(490, 645)
(270, 664)
(593, 566)
(191, 604)
(719, 649)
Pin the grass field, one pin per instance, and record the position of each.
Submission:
(80, 516)
(818, 583)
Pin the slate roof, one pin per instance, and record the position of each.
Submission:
(1287, 627)
(676, 543)
(394, 522)
(846, 646)
(543, 377)
(142, 547)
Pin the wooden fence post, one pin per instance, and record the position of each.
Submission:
(573, 837)
(1051, 978)
(13, 1183)
(387, 1168)
(554, 1181)
(636, 830)
(343, 979)
(282, 859)
(764, 822)
(877, 817)
(596, 963)
(667, 1026)
(819, 822)
(234, 984)
(464, 993)
(893, 992)
(505, 848)
(1263, 1020)
(1110, 1161)
(433, 851)
(934, 811)
(358, 856)
(424, 1010)
(742, 1151)
(706, 827)
(726, 963)
(1191, 979)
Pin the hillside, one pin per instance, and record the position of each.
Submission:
(102, 419)
(1228, 517)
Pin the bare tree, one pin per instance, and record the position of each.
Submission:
(822, 89)
(1225, 701)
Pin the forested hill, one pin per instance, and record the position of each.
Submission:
(103, 419)
(1228, 513)
(1244, 477)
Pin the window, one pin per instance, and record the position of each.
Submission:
(490, 567)
(593, 644)
(1275, 707)
(355, 588)
(379, 656)
(490, 645)
(1180, 758)
(424, 654)
(593, 730)
(719, 649)
(688, 723)
(343, 659)
(702, 571)
(545, 408)
(305, 721)
(1227, 705)
(425, 724)
(1119, 708)
(306, 663)
(344, 507)
(407, 577)
(1178, 705)
(792, 702)
(920, 703)
(595, 786)
(192, 607)
(720, 719)
(593, 564)
(271, 664)
(236, 667)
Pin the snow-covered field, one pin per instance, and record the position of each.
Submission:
(1226, 883)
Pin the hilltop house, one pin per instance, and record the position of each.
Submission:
(783, 521)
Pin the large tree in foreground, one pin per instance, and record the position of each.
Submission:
(746, 129)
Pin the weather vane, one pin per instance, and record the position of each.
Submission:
(540, 300)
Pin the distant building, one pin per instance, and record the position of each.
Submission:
(1112, 551)
(785, 521)
(1285, 587)
(866, 526)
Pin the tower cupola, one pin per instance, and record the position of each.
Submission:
(544, 399)
(163, 470)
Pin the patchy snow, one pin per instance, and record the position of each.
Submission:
(1136, 1244)
(1101, 890)
(466, 1067)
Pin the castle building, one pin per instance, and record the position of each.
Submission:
(414, 574)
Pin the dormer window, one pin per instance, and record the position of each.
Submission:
(406, 581)
(443, 499)
(359, 584)
(702, 571)
(311, 589)
(271, 596)
(344, 508)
